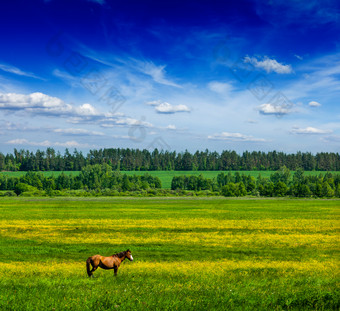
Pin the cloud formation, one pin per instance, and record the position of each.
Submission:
(270, 109)
(269, 65)
(310, 130)
(34, 100)
(109, 123)
(42, 104)
(171, 127)
(17, 71)
(157, 73)
(220, 87)
(314, 104)
(235, 137)
(164, 107)
(46, 143)
(78, 131)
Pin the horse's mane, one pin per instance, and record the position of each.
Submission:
(119, 255)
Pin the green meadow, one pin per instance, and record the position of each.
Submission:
(189, 254)
(166, 176)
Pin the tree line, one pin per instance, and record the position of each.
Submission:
(92, 179)
(144, 160)
(279, 184)
(99, 179)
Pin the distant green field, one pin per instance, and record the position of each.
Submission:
(166, 176)
(189, 254)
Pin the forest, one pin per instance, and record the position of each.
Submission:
(100, 180)
(92, 180)
(145, 160)
(279, 184)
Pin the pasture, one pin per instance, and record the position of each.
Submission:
(189, 254)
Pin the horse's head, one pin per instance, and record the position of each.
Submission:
(129, 255)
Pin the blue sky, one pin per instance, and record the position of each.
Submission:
(173, 75)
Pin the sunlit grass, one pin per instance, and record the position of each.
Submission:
(190, 254)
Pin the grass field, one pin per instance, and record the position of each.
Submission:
(190, 254)
(166, 176)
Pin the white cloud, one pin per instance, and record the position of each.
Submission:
(234, 137)
(18, 141)
(132, 121)
(310, 130)
(171, 127)
(17, 71)
(46, 143)
(36, 104)
(269, 65)
(77, 131)
(87, 110)
(220, 87)
(164, 107)
(298, 57)
(314, 104)
(39, 103)
(34, 100)
(270, 109)
(109, 123)
(168, 108)
(157, 73)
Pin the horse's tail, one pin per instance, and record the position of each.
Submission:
(88, 267)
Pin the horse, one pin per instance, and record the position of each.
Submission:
(111, 262)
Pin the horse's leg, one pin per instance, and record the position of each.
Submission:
(90, 262)
(116, 270)
(93, 269)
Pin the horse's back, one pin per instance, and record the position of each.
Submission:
(95, 259)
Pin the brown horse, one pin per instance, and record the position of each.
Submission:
(111, 262)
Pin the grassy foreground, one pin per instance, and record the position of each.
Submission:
(190, 254)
